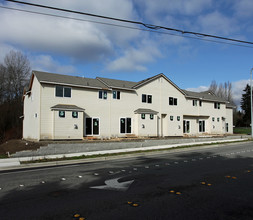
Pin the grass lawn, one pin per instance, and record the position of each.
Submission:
(243, 130)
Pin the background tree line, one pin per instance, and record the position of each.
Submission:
(14, 76)
(242, 118)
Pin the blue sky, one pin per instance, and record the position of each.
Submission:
(90, 49)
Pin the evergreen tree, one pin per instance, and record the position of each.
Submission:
(245, 105)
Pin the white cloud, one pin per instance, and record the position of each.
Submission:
(217, 23)
(47, 63)
(176, 7)
(243, 8)
(237, 90)
(198, 89)
(135, 59)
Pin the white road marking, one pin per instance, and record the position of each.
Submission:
(113, 184)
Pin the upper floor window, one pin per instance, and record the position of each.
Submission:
(200, 103)
(172, 101)
(151, 116)
(194, 102)
(102, 94)
(217, 105)
(61, 91)
(116, 94)
(146, 98)
(143, 116)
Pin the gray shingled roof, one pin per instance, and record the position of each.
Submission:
(67, 108)
(114, 83)
(145, 111)
(53, 78)
(105, 83)
(207, 95)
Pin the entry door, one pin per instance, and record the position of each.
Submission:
(186, 126)
(92, 126)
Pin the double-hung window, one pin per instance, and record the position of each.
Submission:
(61, 91)
(146, 98)
(217, 105)
(116, 94)
(172, 101)
(102, 94)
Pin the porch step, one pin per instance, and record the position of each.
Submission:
(131, 136)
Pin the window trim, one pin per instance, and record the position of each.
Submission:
(92, 133)
(101, 94)
(63, 91)
(172, 101)
(116, 94)
(131, 122)
(59, 112)
(73, 114)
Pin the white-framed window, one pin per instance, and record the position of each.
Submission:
(102, 94)
(146, 98)
(115, 94)
(62, 114)
(143, 116)
(194, 102)
(61, 91)
(171, 117)
(217, 105)
(172, 101)
(74, 114)
(151, 116)
(178, 118)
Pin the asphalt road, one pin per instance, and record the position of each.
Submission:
(200, 183)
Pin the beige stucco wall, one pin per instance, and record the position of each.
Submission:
(31, 111)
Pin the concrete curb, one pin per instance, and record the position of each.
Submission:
(9, 162)
(127, 150)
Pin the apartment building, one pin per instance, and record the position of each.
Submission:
(69, 107)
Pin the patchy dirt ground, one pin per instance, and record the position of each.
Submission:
(13, 146)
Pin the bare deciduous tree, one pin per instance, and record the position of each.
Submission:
(222, 90)
(14, 74)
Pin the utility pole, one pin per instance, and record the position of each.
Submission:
(251, 113)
